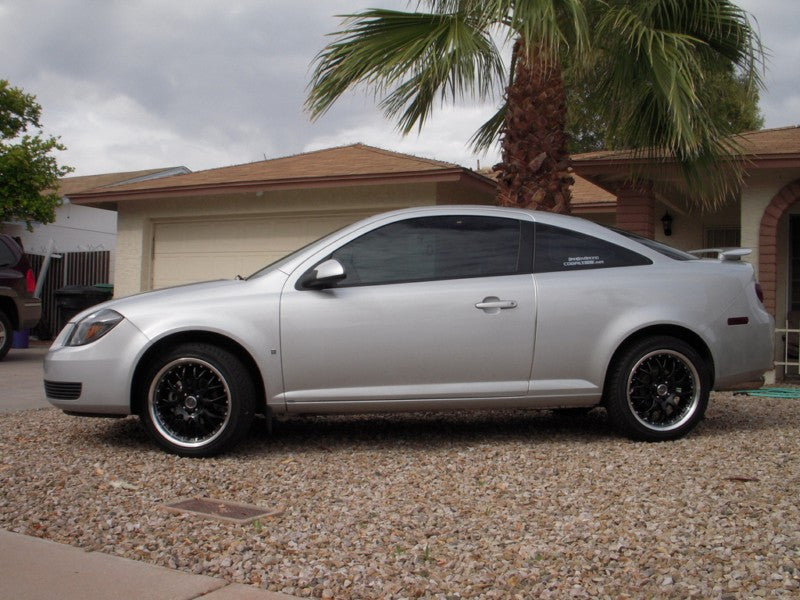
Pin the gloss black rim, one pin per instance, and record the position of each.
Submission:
(663, 390)
(189, 402)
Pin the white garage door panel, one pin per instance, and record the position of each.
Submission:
(189, 251)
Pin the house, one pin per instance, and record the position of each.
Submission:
(82, 228)
(233, 220)
(764, 215)
(220, 222)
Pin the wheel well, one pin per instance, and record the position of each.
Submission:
(681, 333)
(206, 337)
(10, 309)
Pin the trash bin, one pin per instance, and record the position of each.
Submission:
(72, 299)
(21, 339)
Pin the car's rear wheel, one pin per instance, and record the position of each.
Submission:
(6, 335)
(199, 400)
(658, 389)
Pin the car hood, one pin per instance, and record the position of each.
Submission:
(191, 292)
(190, 298)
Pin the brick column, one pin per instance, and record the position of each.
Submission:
(636, 211)
(768, 241)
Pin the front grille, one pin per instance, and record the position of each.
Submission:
(62, 390)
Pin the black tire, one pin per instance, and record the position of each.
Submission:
(657, 389)
(198, 400)
(6, 335)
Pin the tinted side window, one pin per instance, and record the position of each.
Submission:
(441, 247)
(7, 257)
(558, 249)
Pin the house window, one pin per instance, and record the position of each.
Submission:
(723, 237)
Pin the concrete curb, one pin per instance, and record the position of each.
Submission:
(39, 569)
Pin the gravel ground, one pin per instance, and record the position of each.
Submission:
(504, 504)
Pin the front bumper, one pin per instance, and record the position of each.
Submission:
(95, 378)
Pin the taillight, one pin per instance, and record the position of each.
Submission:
(759, 293)
(30, 281)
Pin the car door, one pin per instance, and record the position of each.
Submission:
(430, 307)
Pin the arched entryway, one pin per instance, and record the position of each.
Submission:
(767, 242)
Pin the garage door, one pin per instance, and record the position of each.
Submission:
(190, 251)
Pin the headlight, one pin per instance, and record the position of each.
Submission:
(94, 326)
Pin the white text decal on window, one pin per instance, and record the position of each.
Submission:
(579, 261)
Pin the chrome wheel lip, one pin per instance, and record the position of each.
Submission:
(688, 411)
(156, 419)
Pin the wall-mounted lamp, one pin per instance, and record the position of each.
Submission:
(666, 221)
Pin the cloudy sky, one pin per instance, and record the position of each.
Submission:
(137, 84)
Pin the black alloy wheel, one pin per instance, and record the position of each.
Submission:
(199, 400)
(658, 389)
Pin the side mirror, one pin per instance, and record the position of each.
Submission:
(324, 275)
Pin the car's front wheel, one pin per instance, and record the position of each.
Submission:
(658, 389)
(199, 400)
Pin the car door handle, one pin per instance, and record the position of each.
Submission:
(487, 303)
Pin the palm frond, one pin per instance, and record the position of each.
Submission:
(651, 75)
(488, 133)
(548, 26)
(409, 60)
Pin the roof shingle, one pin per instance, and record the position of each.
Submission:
(343, 161)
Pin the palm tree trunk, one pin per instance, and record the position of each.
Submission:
(535, 167)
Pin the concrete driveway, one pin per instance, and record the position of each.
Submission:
(21, 385)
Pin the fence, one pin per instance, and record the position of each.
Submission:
(73, 268)
(790, 338)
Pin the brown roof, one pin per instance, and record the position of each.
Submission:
(782, 143)
(585, 194)
(346, 165)
(73, 185)
(355, 160)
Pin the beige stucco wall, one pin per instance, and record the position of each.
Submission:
(457, 193)
(689, 226)
(136, 219)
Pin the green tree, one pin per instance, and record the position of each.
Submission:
(28, 171)
(730, 98)
(646, 57)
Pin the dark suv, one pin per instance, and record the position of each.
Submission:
(19, 309)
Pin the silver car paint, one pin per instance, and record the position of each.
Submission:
(382, 362)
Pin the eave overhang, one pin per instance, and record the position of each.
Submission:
(109, 198)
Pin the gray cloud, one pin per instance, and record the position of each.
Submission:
(145, 83)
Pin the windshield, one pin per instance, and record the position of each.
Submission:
(282, 261)
(668, 251)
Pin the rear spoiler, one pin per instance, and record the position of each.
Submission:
(730, 254)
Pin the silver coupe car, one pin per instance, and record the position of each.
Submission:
(456, 307)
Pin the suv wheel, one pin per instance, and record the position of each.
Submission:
(6, 334)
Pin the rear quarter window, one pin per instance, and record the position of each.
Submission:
(558, 249)
(8, 258)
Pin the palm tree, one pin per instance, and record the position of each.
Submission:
(645, 56)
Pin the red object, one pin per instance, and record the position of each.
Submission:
(30, 281)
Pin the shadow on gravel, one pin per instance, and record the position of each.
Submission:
(428, 430)
(407, 430)
(441, 430)
(125, 433)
